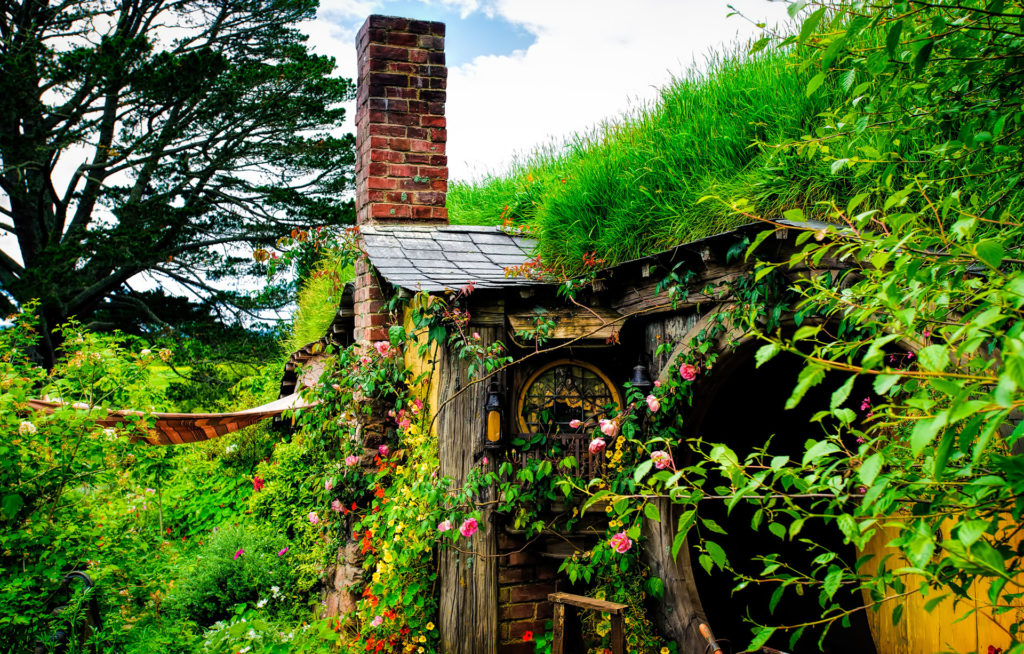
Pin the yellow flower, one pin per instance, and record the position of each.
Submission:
(422, 638)
(664, 650)
(430, 626)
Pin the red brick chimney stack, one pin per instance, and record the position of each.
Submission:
(401, 165)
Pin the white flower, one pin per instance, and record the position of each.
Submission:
(251, 634)
(230, 448)
(246, 648)
(26, 428)
(260, 604)
(275, 591)
(145, 352)
(110, 433)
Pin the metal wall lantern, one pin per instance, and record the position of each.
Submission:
(641, 379)
(494, 418)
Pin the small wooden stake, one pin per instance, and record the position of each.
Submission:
(558, 638)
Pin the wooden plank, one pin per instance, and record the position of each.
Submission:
(468, 611)
(593, 324)
(589, 603)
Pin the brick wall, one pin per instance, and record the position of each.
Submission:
(401, 165)
(524, 581)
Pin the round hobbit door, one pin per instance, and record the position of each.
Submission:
(563, 391)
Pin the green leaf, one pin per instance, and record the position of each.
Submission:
(711, 525)
(833, 580)
(766, 353)
(883, 383)
(868, 471)
(763, 634)
(934, 358)
(641, 470)
(656, 586)
(969, 531)
(810, 376)
(922, 56)
(811, 24)
(651, 512)
(11, 504)
(717, 553)
(924, 432)
(813, 85)
(990, 251)
(796, 215)
(892, 38)
(842, 393)
(818, 450)
(778, 529)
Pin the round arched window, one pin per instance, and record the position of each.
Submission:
(563, 391)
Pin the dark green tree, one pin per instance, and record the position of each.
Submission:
(160, 139)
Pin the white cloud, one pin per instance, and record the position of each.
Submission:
(591, 61)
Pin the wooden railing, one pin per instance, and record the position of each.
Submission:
(558, 447)
(566, 603)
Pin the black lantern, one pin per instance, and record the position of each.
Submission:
(641, 379)
(494, 418)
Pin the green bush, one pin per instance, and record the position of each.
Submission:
(240, 564)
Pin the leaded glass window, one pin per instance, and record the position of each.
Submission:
(564, 391)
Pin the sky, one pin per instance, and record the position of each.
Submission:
(524, 74)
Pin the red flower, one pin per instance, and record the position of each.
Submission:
(257, 483)
(527, 636)
(992, 649)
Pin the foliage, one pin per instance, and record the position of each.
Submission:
(317, 303)
(182, 167)
(239, 564)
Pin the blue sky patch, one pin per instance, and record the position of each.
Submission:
(465, 38)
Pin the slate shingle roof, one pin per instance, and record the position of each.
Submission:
(436, 258)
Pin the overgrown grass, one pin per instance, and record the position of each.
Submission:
(317, 304)
(635, 187)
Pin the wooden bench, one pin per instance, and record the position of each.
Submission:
(564, 600)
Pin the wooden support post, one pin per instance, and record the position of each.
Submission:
(563, 600)
(618, 634)
(558, 638)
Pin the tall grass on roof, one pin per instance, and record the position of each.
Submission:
(631, 188)
(317, 303)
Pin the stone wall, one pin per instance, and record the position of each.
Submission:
(525, 579)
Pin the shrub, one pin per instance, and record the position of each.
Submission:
(239, 564)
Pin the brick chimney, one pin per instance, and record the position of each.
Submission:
(401, 165)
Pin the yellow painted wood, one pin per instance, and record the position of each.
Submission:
(949, 627)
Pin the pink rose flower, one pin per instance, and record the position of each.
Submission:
(469, 527)
(574, 423)
(336, 506)
(336, 387)
(476, 336)
(383, 450)
(417, 406)
(351, 460)
(485, 460)
(661, 459)
(653, 404)
(404, 423)
(688, 371)
(620, 542)
(329, 484)
(377, 621)
(597, 446)
(608, 427)
(282, 552)
(657, 383)
(365, 360)
(383, 348)
(239, 553)
(313, 517)
(444, 525)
